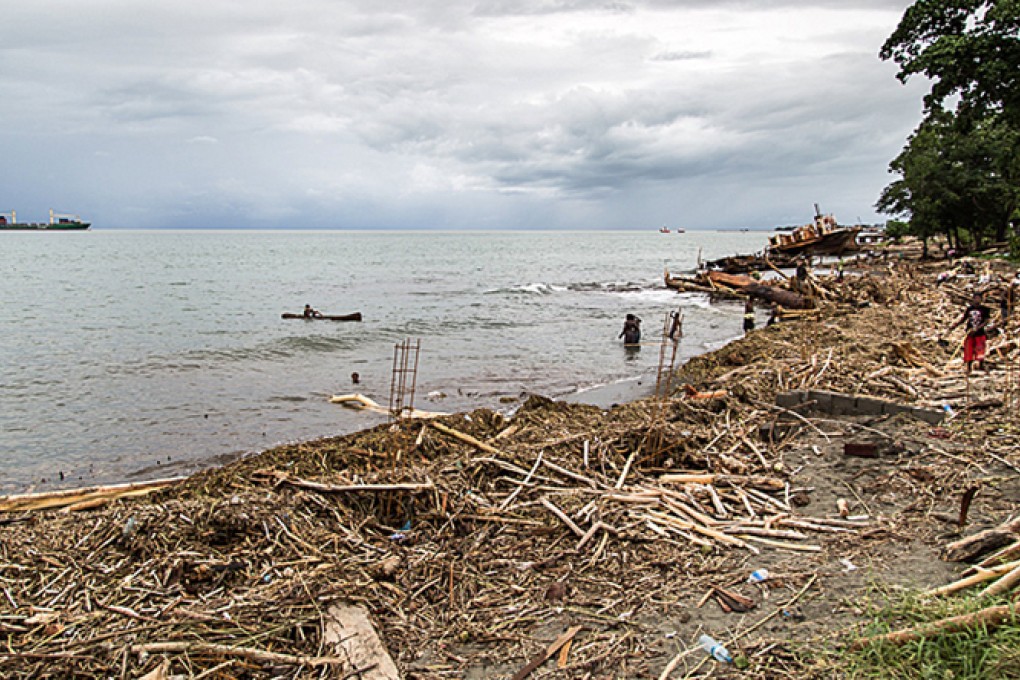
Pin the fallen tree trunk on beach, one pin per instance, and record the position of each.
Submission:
(982, 542)
(781, 297)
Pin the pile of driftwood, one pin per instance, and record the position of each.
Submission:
(466, 528)
(744, 264)
(792, 296)
(564, 535)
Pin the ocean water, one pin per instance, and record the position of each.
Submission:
(127, 355)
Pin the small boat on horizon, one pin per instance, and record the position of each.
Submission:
(58, 222)
(663, 230)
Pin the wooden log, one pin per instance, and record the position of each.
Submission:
(980, 577)
(262, 656)
(1003, 585)
(467, 439)
(58, 499)
(363, 403)
(736, 281)
(984, 541)
(786, 298)
(350, 634)
(1010, 552)
(990, 617)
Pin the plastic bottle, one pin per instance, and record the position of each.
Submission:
(758, 575)
(948, 409)
(718, 652)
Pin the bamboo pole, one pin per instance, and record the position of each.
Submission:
(1003, 585)
(467, 439)
(980, 577)
(990, 617)
(69, 497)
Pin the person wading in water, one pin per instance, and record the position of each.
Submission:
(631, 332)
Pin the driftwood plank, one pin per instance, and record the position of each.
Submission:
(351, 635)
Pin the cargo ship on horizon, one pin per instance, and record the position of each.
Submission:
(58, 222)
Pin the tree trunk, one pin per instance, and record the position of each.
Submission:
(786, 298)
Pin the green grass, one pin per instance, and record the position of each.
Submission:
(976, 654)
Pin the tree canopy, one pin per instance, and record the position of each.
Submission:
(960, 169)
(968, 48)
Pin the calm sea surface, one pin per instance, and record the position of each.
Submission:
(127, 355)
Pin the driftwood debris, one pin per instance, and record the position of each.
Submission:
(1004, 584)
(362, 403)
(786, 298)
(971, 547)
(350, 634)
(990, 617)
(87, 498)
(980, 577)
(548, 653)
(736, 286)
(260, 655)
(284, 478)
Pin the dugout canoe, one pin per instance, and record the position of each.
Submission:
(356, 316)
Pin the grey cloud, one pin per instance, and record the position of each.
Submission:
(681, 56)
(523, 107)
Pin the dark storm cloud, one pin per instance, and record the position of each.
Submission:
(382, 111)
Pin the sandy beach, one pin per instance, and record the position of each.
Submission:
(591, 537)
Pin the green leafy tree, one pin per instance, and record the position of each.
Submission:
(960, 170)
(968, 48)
(957, 178)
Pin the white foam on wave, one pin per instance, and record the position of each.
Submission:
(650, 295)
(699, 300)
(537, 288)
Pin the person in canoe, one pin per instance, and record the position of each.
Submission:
(310, 313)
(631, 332)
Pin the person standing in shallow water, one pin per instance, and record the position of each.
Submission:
(631, 332)
(749, 315)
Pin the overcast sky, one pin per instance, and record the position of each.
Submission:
(446, 114)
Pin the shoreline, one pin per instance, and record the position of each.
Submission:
(470, 565)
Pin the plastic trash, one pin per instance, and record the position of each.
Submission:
(130, 527)
(718, 652)
(758, 575)
(949, 410)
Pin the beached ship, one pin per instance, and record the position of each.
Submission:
(822, 237)
(58, 222)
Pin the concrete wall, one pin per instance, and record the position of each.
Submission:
(839, 404)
